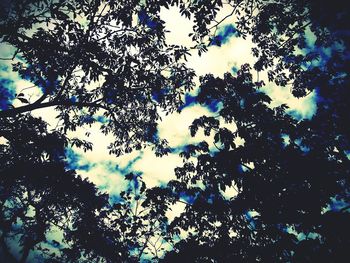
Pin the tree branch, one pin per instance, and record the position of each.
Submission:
(246, 166)
(35, 106)
(230, 14)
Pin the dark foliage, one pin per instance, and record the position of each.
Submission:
(283, 188)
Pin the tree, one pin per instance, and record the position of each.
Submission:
(40, 198)
(38, 195)
(283, 187)
(111, 58)
(70, 46)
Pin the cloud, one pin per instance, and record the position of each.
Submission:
(219, 60)
(105, 178)
(156, 170)
(11, 83)
(299, 108)
(178, 26)
(105, 170)
(175, 127)
(230, 192)
(75, 161)
(107, 175)
(175, 210)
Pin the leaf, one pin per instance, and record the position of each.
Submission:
(129, 176)
(23, 100)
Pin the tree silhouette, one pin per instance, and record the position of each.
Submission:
(40, 197)
(93, 58)
(70, 46)
(38, 194)
(283, 188)
(291, 177)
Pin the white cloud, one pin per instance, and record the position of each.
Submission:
(175, 210)
(3, 140)
(156, 170)
(179, 27)
(106, 179)
(230, 192)
(219, 60)
(175, 127)
(300, 107)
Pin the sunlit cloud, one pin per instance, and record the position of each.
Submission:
(156, 170)
(299, 108)
(175, 127)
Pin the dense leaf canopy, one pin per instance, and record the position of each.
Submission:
(94, 58)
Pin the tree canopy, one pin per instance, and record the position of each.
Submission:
(93, 59)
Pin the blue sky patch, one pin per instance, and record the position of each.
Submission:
(7, 93)
(101, 119)
(114, 199)
(134, 183)
(187, 198)
(337, 205)
(145, 19)
(301, 146)
(48, 83)
(75, 161)
(189, 100)
(298, 115)
(113, 167)
(158, 95)
(223, 35)
(234, 70)
(133, 161)
(250, 218)
(4, 67)
(54, 243)
(214, 105)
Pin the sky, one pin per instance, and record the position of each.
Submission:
(106, 170)
(226, 53)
